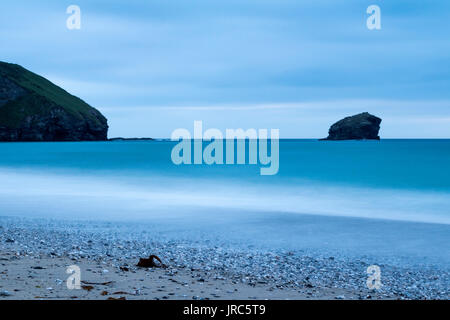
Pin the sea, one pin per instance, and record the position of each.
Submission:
(388, 198)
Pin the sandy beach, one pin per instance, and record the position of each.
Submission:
(34, 256)
(38, 278)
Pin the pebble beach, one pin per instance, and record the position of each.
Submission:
(35, 253)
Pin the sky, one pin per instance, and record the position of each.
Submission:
(152, 66)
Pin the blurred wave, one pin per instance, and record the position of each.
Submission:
(130, 197)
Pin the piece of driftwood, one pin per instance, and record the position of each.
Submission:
(150, 262)
(98, 283)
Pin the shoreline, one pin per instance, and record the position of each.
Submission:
(34, 256)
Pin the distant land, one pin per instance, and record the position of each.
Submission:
(34, 109)
(131, 139)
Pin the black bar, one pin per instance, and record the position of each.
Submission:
(224, 309)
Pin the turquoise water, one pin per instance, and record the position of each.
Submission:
(399, 164)
(394, 175)
(321, 197)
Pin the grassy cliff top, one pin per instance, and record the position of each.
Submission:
(40, 90)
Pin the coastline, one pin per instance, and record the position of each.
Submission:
(34, 255)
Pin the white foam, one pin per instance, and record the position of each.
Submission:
(33, 193)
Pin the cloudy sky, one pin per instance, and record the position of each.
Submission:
(152, 66)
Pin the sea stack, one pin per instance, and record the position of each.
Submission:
(34, 109)
(363, 126)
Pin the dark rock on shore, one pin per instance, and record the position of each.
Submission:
(358, 127)
(34, 109)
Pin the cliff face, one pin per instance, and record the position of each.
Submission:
(357, 127)
(34, 109)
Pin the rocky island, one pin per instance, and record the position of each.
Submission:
(34, 109)
(363, 126)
